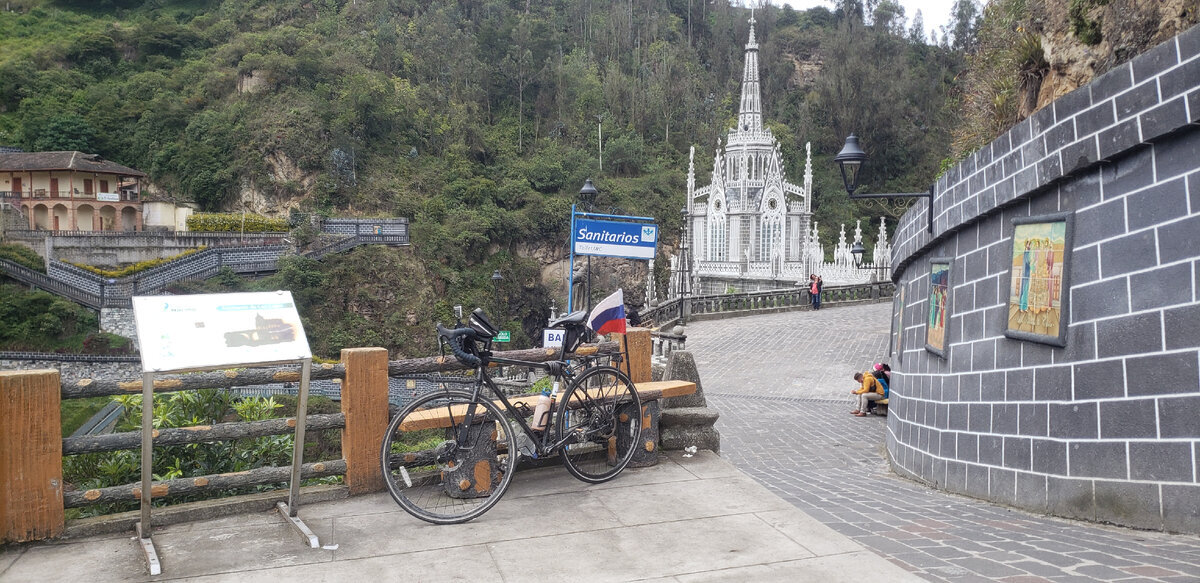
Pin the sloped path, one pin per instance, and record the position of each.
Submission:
(782, 382)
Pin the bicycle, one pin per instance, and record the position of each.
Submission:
(448, 456)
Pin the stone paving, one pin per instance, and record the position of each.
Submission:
(782, 382)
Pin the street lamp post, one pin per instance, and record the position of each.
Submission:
(587, 195)
(850, 161)
(685, 271)
(496, 279)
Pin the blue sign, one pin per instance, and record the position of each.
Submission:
(615, 239)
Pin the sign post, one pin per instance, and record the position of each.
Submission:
(212, 332)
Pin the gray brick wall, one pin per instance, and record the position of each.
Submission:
(366, 226)
(1107, 427)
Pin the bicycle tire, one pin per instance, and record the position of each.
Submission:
(603, 412)
(427, 470)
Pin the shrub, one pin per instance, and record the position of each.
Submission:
(233, 223)
(136, 267)
(22, 255)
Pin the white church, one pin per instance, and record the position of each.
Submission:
(750, 229)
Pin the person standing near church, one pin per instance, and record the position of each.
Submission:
(815, 284)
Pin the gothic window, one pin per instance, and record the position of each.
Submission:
(718, 234)
(770, 230)
(745, 240)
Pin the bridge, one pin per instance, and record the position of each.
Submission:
(801, 490)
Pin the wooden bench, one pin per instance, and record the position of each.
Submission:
(439, 417)
(649, 392)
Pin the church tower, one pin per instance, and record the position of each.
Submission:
(749, 221)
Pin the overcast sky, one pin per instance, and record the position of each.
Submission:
(936, 13)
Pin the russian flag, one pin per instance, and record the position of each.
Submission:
(609, 315)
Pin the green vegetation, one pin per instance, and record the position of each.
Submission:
(42, 322)
(478, 120)
(236, 222)
(136, 267)
(76, 412)
(187, 408)
(1085, 29)
(22, 255)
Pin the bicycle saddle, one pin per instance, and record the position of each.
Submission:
(576, 318)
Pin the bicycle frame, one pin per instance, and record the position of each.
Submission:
(543, 445)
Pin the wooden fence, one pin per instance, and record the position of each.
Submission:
(32, 449)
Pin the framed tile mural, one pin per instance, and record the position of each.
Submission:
(1037, 279)
(939, 305)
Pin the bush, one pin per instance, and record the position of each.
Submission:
(136, 267)
(233, 223)
(22, 255)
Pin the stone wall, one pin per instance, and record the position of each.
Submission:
(119, 321)
(1105, 427)
(120, 248)
(71, 370)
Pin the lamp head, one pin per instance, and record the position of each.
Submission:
(857, 251)
(588, 193)
(496, 277)
(850, 161)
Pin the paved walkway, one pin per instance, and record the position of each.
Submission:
(785, 421)
(688, 519)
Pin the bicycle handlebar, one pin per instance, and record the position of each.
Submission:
(454, 338)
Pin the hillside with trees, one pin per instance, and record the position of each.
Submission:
(478, 119)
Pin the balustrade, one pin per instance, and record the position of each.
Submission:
(670, 312)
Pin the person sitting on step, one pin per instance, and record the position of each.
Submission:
(869, 390)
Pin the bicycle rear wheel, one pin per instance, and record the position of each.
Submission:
(601, 413)
(441, 469)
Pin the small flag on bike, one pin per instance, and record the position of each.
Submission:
(609, 315)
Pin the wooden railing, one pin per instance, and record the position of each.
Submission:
(32, 449)
(675, 310)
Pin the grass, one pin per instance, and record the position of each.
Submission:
(75, 412)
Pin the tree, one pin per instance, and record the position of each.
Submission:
(963, 26)
(68, 131)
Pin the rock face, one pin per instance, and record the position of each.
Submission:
(1126, 28)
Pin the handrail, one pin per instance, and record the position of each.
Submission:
(671, 311)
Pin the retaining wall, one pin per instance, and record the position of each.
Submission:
(1105, 427)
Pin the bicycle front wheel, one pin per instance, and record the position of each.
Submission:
(601, 418)
(442, 467)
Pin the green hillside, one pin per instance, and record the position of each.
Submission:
(478, 119)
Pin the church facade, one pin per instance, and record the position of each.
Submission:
(750, 228)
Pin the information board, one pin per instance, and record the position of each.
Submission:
(188, 332)
(615, 239)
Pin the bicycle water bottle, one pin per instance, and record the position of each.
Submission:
(541, 413)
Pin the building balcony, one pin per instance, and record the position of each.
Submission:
(44, 194)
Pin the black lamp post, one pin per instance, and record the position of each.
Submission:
(587, 195)
(850, 161)
(496, 278)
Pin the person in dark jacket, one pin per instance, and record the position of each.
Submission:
(815, 284)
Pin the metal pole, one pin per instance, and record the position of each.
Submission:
(144, 526)
(289, 510)
(298, 446)
(571, 271)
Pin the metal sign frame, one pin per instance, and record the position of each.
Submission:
(571, 242)
(288, 510)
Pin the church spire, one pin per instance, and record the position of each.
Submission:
(750, 113)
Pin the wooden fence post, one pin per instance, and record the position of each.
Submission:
(30, 455)
(640, 347)
(365, 403)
